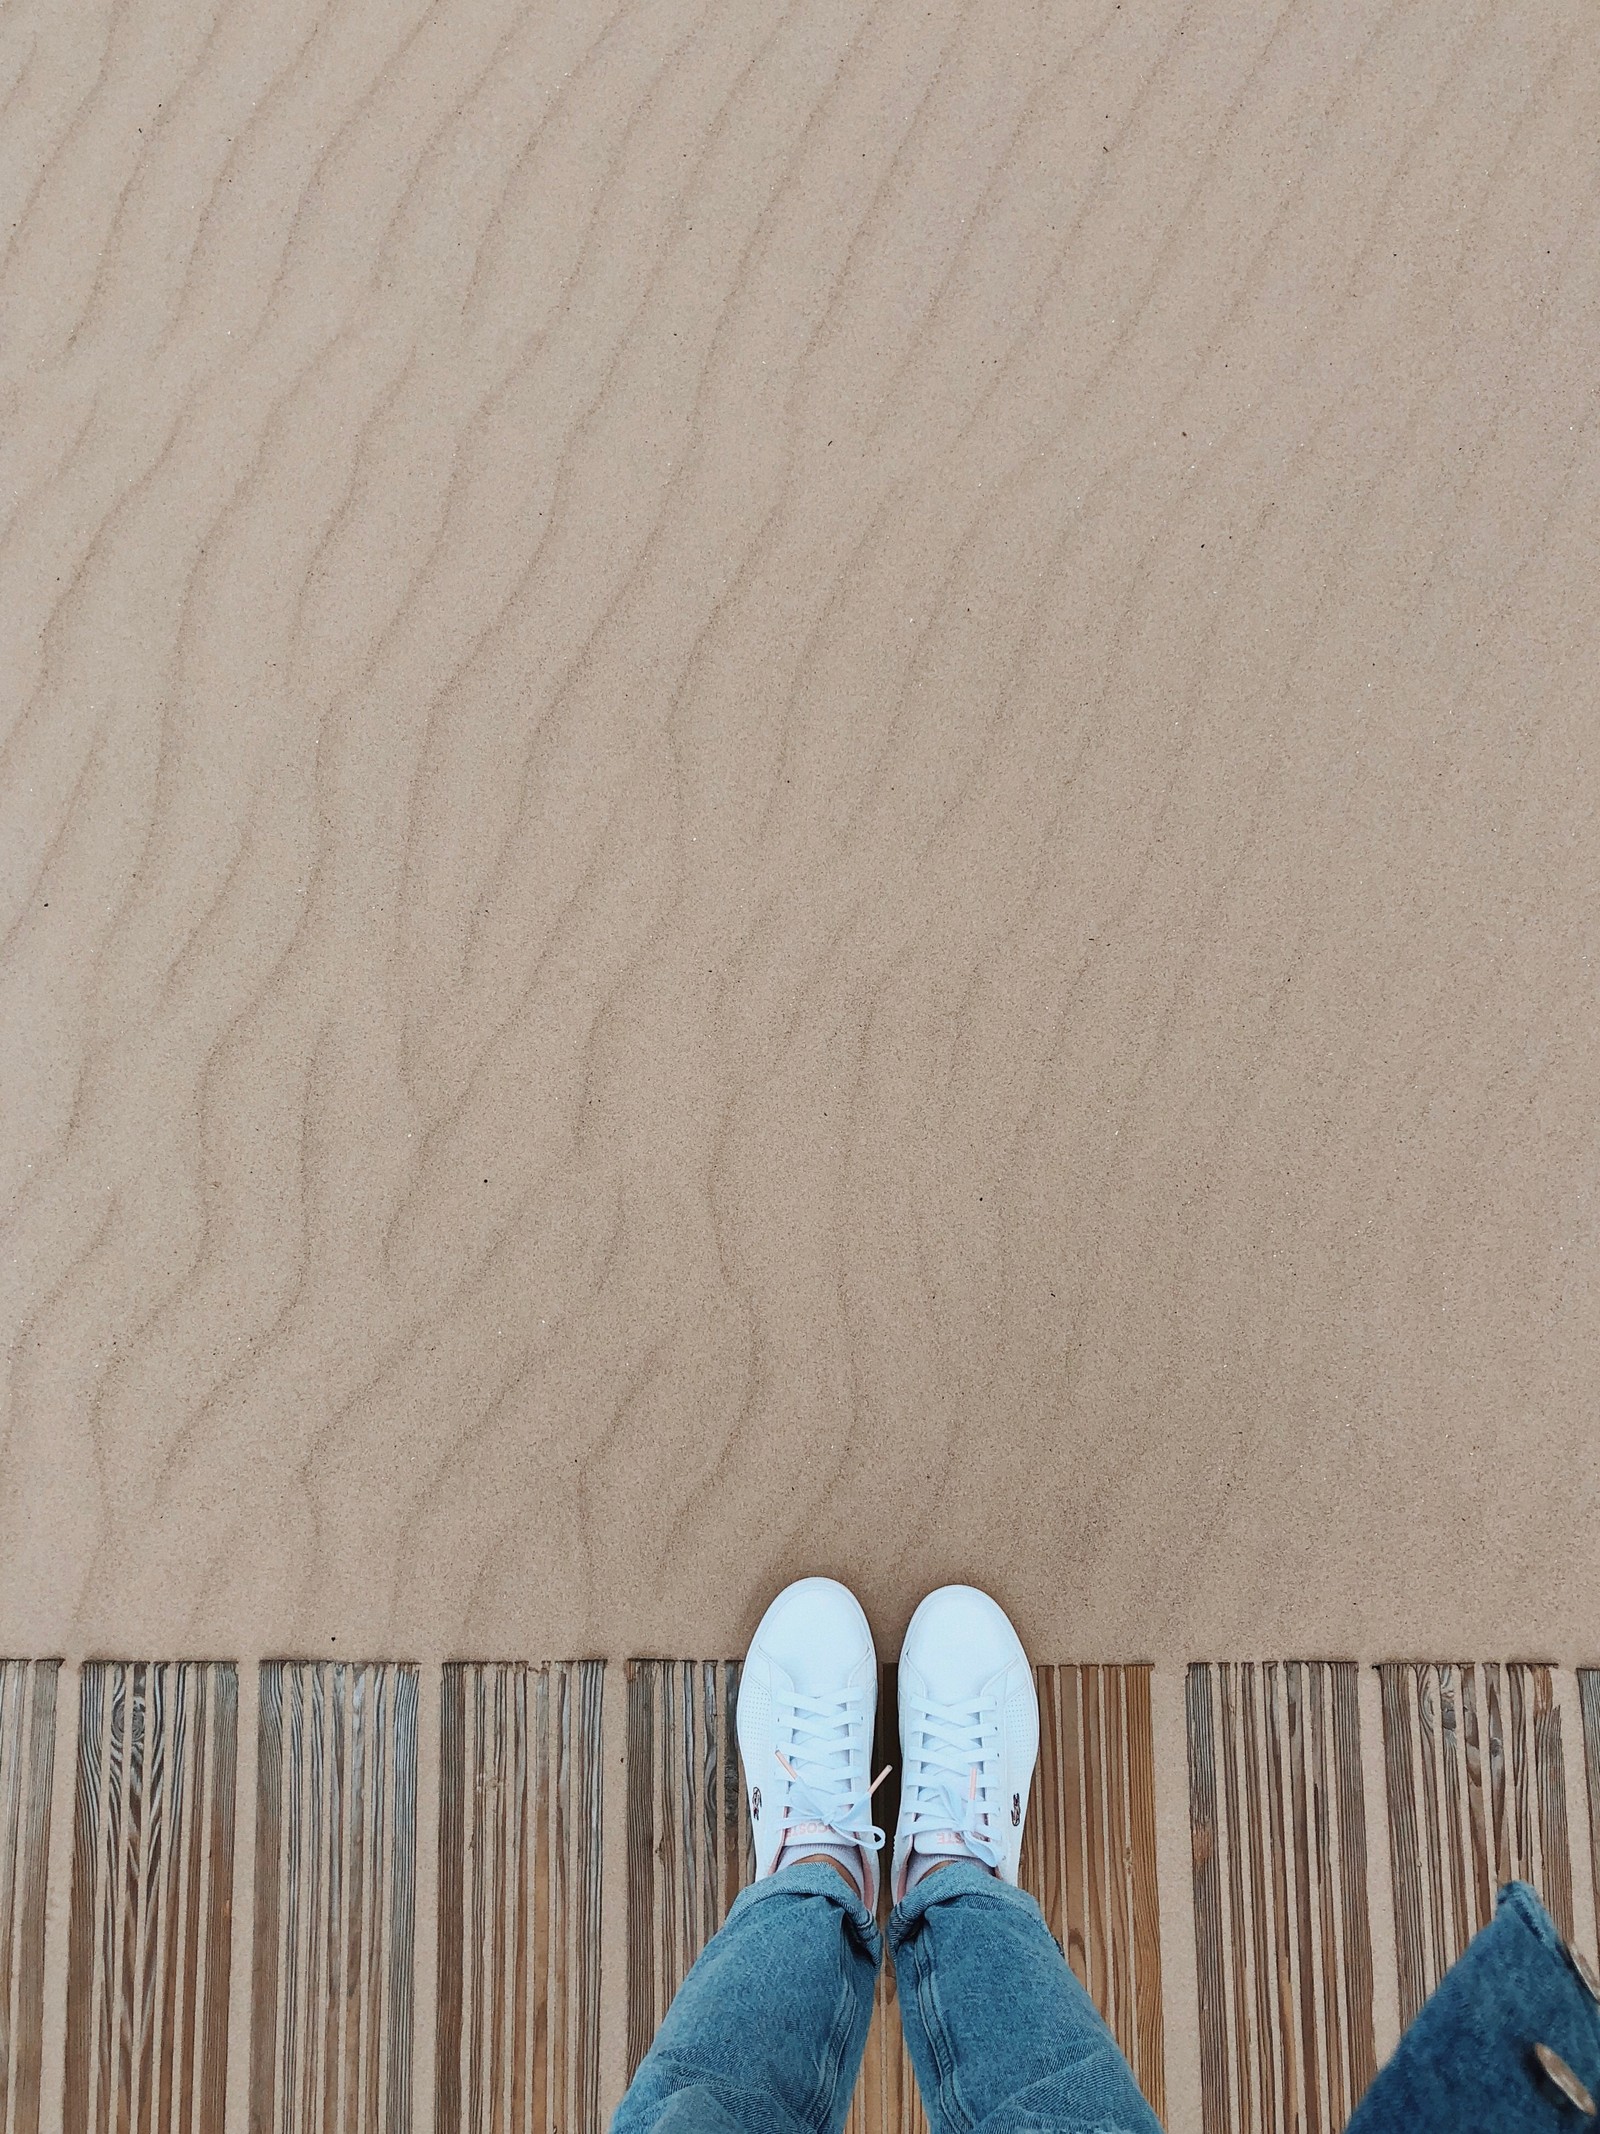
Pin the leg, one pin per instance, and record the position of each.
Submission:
(1000, 2031)
(1510, 2037)
(1001, 2034)
(766, 2033)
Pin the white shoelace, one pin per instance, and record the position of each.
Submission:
(818, 1738)
(951, 1776)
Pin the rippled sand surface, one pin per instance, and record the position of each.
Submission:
(799, 786)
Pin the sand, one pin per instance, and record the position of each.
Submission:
(799, 788)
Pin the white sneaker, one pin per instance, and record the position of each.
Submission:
(808, 1697)
(969, 1736)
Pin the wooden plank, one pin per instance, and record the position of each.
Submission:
(1499, 1821)
(520, 1834)
(1279, 1839)
(1405, 1859)
(450, 2019)
(1294, 1693)
(1237, 1945)
(1215, 2113)
(1113, 1735)
(1149, 2055)
(1550, 1781)
(1589, 1709)
(1482, 1800)
(1261, 1967)
(541, 1887)
(1355, 1923)
(1333, 2058)
(588, 1884)
(151, 1898)
(1041, 1859)
(1456, 1844)
(1524, 1860)
(1072, 1824)
(1094, 1827)
(1440, 1946)
(1476, 1811)
(1288, 2057)
(641, 1893)
(358, 1909)
(27, 1769)
(332, 1992)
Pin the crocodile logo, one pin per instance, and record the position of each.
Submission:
(755, 1804)
(1016, 1809)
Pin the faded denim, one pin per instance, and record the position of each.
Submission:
(767, 2031)
(1468, 2061)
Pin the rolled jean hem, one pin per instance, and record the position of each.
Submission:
(812, 1880)
(964, 1878)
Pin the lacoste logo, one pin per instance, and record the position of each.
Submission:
(755, 1804)
(1016, 1809)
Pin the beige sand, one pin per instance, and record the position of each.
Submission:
(799, 787)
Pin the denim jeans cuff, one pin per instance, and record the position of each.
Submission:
(963, 1878)
(812, 1879)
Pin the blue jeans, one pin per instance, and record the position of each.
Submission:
(767, 2031)
(1468, 2063)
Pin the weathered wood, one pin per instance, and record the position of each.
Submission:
(1215, 2113)
(1453, 1838)
(1474, 1812)
(27, 1766)
(1149, 2054)
(335, 1896)
(1405, 1858)
(150, 1933)
(1237, 1944)
(1306, 1979)
(1333, 2044)
(519, 1881)
(1589, 1708)
(1551, 1783)
(1285, 1995)
(1354, 1922)
(1261, 1969)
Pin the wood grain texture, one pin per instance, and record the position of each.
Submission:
(150, 1948)
(27, 1766)
(1088, 1855)
(1282, 1935)
(1477, 1797)
(818, 770)
(335, 1898)
(517, 2041)
(1589, 1708)
(689, 1845)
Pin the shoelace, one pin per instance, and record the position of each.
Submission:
(821, 1749)
(948, 1775)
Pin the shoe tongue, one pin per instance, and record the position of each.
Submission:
(939, 1841)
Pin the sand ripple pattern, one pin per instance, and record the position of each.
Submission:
(789, 782)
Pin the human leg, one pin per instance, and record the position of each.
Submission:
(1001, 2033)
(767, 2032)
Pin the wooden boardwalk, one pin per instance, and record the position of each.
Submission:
(1347, 1827)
